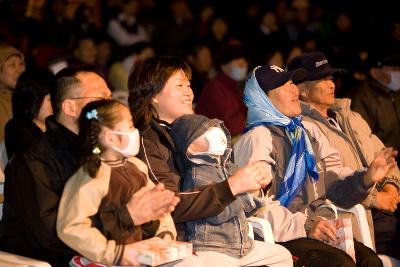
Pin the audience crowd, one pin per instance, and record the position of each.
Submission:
(128, 120)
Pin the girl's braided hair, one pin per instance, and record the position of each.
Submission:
(94, 116)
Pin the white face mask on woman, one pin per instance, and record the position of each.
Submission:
(394, 84)
(132, 149)
(238, 73)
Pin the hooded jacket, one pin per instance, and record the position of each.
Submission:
(226, 232)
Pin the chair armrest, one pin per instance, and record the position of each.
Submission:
(359, 212)
(262, 226)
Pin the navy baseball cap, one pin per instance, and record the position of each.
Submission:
(270, 77)
(316, 65)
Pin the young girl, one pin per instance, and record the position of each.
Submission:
(97, 215)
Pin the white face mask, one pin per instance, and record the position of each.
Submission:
(238, 73)
(394, 83)
(132, 149)
(217, 142)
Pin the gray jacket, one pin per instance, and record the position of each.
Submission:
(270, 144)
(226, 232)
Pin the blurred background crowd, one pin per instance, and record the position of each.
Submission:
(113, 35)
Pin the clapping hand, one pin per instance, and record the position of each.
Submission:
(150, 204)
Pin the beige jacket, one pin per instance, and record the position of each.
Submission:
(5, 110)
(356, 143)
(80, 200)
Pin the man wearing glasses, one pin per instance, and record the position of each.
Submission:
(35, 178)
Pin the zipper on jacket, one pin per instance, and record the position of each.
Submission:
(355, 144)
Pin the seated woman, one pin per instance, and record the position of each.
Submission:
(159, 93)
(31, 105)
(110, 180)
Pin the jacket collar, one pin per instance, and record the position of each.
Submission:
(162, 128)
(71, 140)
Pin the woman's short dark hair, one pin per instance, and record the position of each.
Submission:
(146, 80)
(29, 93)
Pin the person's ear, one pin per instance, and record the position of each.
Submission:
(109, 139)
(303, 91)
(69, 108)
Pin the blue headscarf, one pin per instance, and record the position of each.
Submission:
(260, 112)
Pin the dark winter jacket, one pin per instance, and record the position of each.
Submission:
(33, 186)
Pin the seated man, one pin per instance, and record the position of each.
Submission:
(350, 134)
(302, 180)
(35, 179)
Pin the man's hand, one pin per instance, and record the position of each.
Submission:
(392, 189)
(151, 204)
(383, 161)
(248, 179)
(323, 231)
(386, 201)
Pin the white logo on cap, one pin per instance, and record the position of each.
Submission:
(322, 62)
(276, 68)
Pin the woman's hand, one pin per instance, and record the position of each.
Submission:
(150, 204)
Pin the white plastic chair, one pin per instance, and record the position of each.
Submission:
(361, 216)
(262, 227)
(13, 260)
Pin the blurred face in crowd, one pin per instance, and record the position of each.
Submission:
(219, 28)
(286, 99)
(388, 76)
(202, 61)
(175, 99)
(320, 93)
(11, 70)
(236, 69)
(86, 51)
(131, 8)
(146, 53)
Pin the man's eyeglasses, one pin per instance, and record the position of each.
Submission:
(91, 97)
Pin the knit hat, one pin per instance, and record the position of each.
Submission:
(271, 77)
(229, 52)
(7, 51)
(316, 65)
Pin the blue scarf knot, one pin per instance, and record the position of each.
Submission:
(261, 112)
